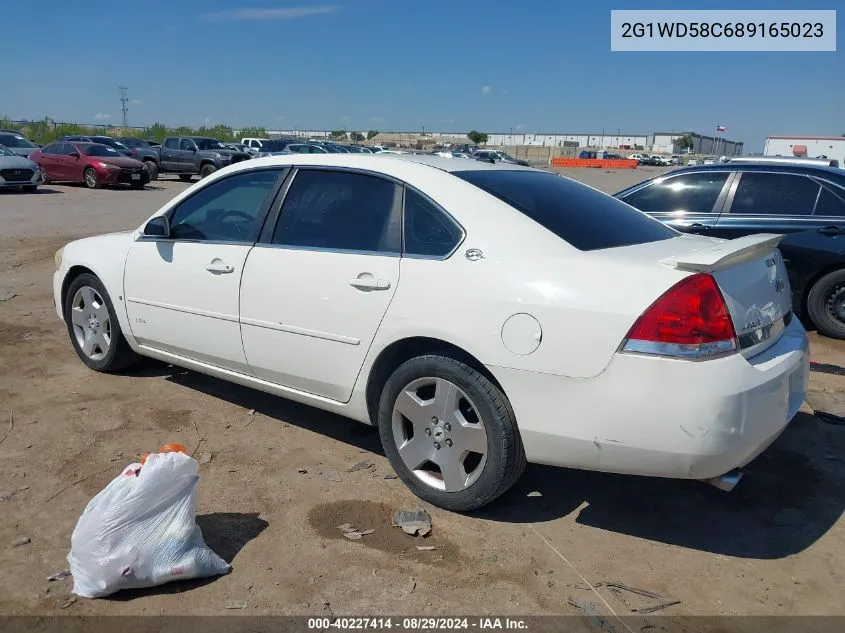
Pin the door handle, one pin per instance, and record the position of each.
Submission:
(698, 226)
(369, 283)
(219, 267)
(831, 230)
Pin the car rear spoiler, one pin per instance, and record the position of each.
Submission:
(725, 254)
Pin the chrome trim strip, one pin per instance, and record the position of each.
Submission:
(704, 351)
(292, 329)
(756, 338)
(175, 308)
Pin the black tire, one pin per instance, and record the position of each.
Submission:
(120, 355)
(207, 170)
(186, 177)
(152, 168)
(91, 179)
(826, 304)
(505, 454)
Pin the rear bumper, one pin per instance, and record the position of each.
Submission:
(666, 418)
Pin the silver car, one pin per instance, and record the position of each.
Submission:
(18, 171)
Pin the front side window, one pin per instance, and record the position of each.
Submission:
(428, 230)
(585, 218)
(687, 193)
(775, 194)
(340, 210)
(186, 144)
(227, 210)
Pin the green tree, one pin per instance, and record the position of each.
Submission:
(479, 138)
(372, 134)
(253, 132)
(685, 142)
(338, 134)
(356, 136)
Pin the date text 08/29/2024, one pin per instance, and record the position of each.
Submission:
(416, 623)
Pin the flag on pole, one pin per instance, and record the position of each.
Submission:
(721, 128)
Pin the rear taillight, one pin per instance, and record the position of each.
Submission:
(690, 320)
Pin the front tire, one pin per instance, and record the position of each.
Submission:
(93, 326)
(91, 179)
(152, 168)
(826, 304)
(449, 433)
(207, 169)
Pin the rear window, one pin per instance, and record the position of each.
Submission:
(585, 218)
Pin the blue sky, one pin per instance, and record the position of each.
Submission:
(447, 65)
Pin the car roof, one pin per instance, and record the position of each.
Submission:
(763, 166)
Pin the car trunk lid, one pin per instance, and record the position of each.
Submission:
(751, 274)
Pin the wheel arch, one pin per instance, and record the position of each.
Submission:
(72, 273)
(404, 349)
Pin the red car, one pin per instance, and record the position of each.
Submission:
(90, 163)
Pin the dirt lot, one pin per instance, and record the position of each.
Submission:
(776, 545)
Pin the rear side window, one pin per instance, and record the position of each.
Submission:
(585, 218)
(171, 143)
(340, 210)
(774, 194)
(830, 204)
(429, 232)
(688, 193)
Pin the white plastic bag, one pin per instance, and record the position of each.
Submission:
(140, 531)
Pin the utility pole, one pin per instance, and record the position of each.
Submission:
(124, 99)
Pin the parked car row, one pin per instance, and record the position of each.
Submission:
(739, 198)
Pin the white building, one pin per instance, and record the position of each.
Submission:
(558, 139)
(809, 146)
(667, 143)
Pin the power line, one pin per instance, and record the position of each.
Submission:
(124, 99)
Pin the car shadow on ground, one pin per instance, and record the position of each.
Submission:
(789, 497)
(40, 191)
(226, 533)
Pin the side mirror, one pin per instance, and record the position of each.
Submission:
(74, 154)
(159, 226)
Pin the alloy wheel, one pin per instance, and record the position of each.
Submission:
(91, 323)
(439, 434)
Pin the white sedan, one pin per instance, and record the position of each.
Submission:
(480, 315)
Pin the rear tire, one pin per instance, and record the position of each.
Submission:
(206, 170)
(826, 304)
(152, 168)
(186, 177)
(474, 434)
(93, 326)
(91, 179)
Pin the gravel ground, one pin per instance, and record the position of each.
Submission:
(773, 546)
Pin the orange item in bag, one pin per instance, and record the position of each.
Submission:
(167, 448)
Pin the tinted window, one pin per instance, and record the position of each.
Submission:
(226, 210)
(67, 149)
(209, 143)
(774, 194)
(15, 140)
(186, 144)
(55, 148)
(171, 143)
(339, 210)
(829, 204)
(584, 217)
(428, 231)
(100, 150)
(690, 193)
